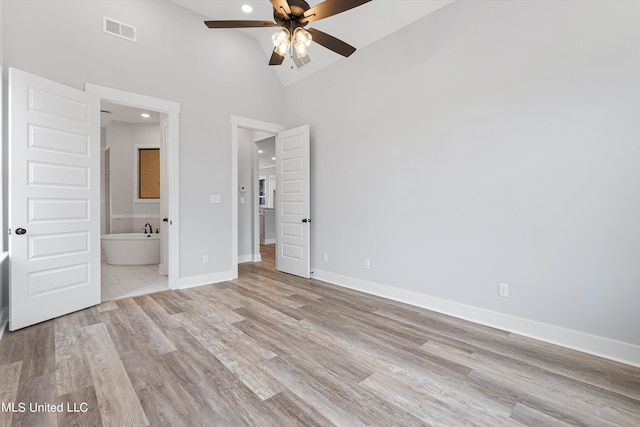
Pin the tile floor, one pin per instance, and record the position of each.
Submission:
(122, 281)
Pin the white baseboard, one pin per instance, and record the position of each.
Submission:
(269, 241)
(245, 258)
(136, 216)
(586, 343)
(205, 279)
(249, 258)
(4, 320)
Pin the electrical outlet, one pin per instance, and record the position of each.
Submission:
(503, 290)
(325, 257)
(367, 264)
(205, 259)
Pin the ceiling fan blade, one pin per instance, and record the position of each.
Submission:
(282, 7)
(330, 8)
(276, 58)
(331, 43)
(240, 24)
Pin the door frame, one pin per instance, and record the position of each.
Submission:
(172, 109)
(249, 124)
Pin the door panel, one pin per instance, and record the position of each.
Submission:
(54, 195)
(293, 207)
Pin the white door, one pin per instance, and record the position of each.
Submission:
(54, 199)
(292, 199)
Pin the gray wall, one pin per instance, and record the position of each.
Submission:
(246, 178)
(489, 142)
(212, 74)
(123, 138)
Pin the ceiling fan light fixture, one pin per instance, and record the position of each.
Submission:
(301, 50)
(301, 41)
(281, 41)
(292, 16)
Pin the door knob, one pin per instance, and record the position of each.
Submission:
(20, 231)
(305, 220)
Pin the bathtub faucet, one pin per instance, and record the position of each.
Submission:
(150, 228)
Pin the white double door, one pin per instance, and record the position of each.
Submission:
(54, 199)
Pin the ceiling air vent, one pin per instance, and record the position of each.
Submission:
(119, 29)
(300, 62)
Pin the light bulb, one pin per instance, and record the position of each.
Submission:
(301, 41)
(301, 36)
(301, 50)
(281, 40)
(282, 49)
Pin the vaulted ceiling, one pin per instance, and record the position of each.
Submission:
(358, 27)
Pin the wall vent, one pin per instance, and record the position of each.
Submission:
(119, 29)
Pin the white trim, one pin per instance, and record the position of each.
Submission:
(249, 258)
(250, 124)
(245, 258)
(270, 241)
(4, 311)
(172, 109)
(4, 320)
(4, 256)
(136, 173)
(135, 216)
(205, 279)
(591, 344)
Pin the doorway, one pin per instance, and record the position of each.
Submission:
(166, 223)
(292, 213)
(132, 171)
(256, 130)
(256, 207)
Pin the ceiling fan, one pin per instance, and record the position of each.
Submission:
(293, 16)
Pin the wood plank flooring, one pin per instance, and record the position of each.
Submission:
(271, 349)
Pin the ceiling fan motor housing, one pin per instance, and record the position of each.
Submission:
(298, 8)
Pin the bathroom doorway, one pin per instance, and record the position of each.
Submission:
(139, 140)
(131, 143)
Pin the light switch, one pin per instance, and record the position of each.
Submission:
(215, 198)
(242, 200)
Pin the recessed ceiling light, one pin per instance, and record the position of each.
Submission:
(246, 8)
(145, 115)
(273, 158)
(260, 151)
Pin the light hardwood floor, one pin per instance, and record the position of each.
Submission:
(271, 349)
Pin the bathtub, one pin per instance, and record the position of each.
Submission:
(131, 248)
